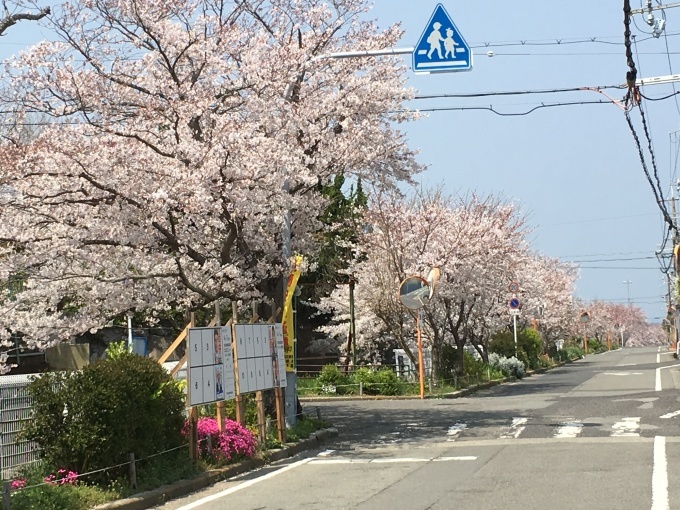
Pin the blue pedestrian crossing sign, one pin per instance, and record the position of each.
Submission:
(441, 48)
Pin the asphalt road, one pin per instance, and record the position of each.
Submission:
(601, 433)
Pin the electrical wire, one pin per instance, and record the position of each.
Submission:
(517, 92)
(502, 114)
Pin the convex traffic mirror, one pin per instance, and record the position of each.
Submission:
(414, 292)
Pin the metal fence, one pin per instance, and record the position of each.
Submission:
(15, 410)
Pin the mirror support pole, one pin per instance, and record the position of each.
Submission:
(421, 367)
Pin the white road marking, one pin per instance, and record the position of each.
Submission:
(660, 476)
(455, 430)
(623, 373)
(628, 427)
(568, 429)
(670, 415)
(658, 375)
(447, 459)
(402, 460)
(243, 485)
(658, 358)
(326, 453)
(514, 430)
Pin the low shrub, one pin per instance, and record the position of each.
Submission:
(572, 352)
(331, 380)
(510, 367)
(378, 382)
(58, 490)
(235, 442)
(529, 346)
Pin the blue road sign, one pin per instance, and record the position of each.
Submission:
(441, 48)
(514, 303)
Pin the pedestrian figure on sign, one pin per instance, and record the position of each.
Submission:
(449, 44)
(434, 40)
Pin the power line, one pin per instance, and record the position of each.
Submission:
(613, 260)
(604, 254)
(502, 114)
(516, 92)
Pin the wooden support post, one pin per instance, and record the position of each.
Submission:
(6, 495)
(193, 435)
(193, 413)
(280, 415)
(240, 411)
(261, 419)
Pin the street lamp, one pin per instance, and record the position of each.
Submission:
(627, 284)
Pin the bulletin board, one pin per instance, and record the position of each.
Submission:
(211, 366)
(260, 357)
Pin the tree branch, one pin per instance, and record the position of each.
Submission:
(12, 19)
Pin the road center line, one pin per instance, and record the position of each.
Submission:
(243, 485)
(670, 415)
(660, 476)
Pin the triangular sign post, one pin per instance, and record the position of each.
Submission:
(441, 48)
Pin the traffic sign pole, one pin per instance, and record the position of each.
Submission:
(514, 327)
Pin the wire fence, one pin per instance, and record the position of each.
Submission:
(15, 411)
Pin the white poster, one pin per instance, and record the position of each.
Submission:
(211, 366)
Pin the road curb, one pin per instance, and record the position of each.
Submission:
(165, 493)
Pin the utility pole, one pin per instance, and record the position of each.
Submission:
(674, 269)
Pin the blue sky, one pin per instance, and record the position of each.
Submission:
(574, 170)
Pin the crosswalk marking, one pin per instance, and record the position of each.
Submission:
(628, 427)
(455, 430)
(568, 429)
(514, 430)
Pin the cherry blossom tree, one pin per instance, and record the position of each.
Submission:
(182, 133)
(476, 243)
(547, 288)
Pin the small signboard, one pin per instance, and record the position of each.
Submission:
(211, 366)
(513, 287)
(514, 304)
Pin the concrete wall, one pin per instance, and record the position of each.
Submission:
(68, 356)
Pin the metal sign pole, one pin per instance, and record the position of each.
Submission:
(514, 327)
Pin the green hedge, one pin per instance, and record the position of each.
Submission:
(92, 419)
